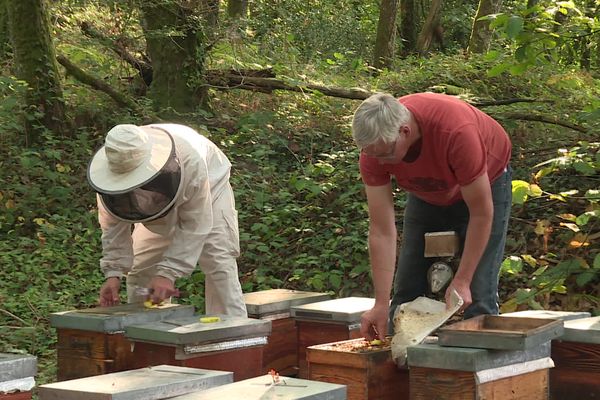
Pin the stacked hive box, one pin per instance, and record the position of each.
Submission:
(229, 344)
(281, 352)
(17, 376)
(485, 357)
(367, 370)
(326, 322)
(92, 342)
(160, 382)
(438, 372)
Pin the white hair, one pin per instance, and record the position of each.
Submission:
(378, 117)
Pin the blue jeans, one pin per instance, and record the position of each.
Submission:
(420, 217)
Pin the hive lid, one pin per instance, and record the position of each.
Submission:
(159, 382)
(274, 301)
(584, 330)
(189, 330)
(17, 366)
(502, 333)
(564, 315)
(116, 318)
(262, 388)
(347, 309)
(471, 359)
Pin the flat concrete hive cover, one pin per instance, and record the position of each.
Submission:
(347, 309)
(17, 366)
(279, 300)
(564, 315)
(471, 359)
(160, 382)
(116, 318)
(190, 330)
(262, 388)
(585, 330)
(502, 333)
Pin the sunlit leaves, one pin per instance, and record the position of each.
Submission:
(522, 190)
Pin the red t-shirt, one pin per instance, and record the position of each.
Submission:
(459, 143)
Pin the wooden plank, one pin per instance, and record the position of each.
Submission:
(529, 386)
(244, 362)
(86, 353)
(431, 383)
(577, 370)
(16, 396)
(281, 351)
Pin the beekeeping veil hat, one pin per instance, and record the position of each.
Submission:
(136, 173)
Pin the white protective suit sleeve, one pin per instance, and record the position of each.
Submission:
(117, 249)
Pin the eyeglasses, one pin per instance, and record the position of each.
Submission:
(389, 154)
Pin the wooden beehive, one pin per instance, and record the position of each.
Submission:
(281, 352)
(232, 344)
(155, 383)
(326, 322)
(264, 388)
(17, 376)
(576, 357)
(368, 371)
(92, 342)
(459, 373)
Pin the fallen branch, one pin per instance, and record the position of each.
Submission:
(542, 118)
(98, 84)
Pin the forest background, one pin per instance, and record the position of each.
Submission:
(274, 83)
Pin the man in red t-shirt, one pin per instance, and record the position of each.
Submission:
(453, 160)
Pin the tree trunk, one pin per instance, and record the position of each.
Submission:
(481, 34)
(237, 8)
(4, 35)
(35, 63)
(386, 34)
(430, 27)
(174, 45)
(408, 26)
(210, 13)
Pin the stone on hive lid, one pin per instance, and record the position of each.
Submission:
(471, 359)
(564, 315)
(262, 388)
(278, 301)
(159, 382)
(116, 318)
(584, 330)
(347, 309)
(189, 330)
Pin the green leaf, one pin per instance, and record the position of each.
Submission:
(597, 261)
(514, 26)
(520, 189)
(585, 277)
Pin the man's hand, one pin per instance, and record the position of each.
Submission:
(162, 288)
(464, 291)
(373, 323)
(109, 292)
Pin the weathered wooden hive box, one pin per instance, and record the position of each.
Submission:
(281, 352)
(233, 344)
(17, 376)
(501, 333)
(460, 373)
(576, 356)
(92, 342)
(368, 371)
(160, 382)
(548, 314)
(328, 321)
(264, 388)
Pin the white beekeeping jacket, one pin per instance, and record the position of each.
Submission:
(205, 170)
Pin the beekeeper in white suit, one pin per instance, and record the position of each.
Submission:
(165, 205)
